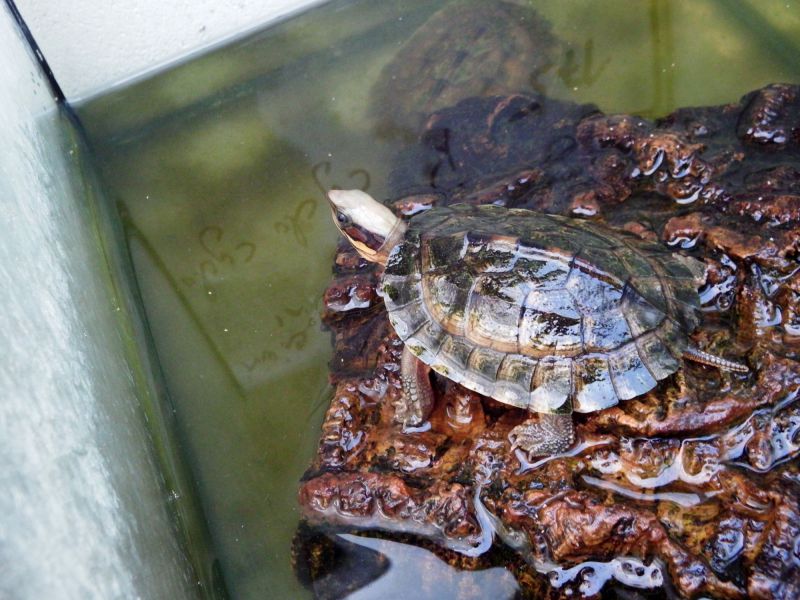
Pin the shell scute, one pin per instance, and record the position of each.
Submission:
(429, 340)
(685, 297)
(446, 294)
(454, 353)
(401, 291)
(640, 314)
(408, 319)
(594, 291)
(593, 387)
(651, 290)
(482, 367)
(629, 374)
(442, 252)
(606, 260)
(491, 254)
(682, 268)
(606, 331)
(486, 362)
(592, 237)
(671, 334)
(403, 259)
(561, 244)
(634, 263)
(514, 379)
(493, 309)
(552, 384)
(550, 324)
(540, 270)
(656, 356)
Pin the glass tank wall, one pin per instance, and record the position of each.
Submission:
(88, 503)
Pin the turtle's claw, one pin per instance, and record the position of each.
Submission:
(549, 434)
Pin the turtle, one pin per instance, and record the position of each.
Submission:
(542, 312)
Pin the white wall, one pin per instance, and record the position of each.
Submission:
(93, 44)
(84, 512)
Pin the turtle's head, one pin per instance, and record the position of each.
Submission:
(371, 227)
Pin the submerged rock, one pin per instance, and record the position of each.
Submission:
(691, 488)
(468, 48)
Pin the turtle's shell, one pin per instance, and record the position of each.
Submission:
(535, 310)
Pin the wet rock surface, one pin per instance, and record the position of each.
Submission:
(690, 490)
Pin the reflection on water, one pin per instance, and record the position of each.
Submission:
(218, 168)
(405, 563)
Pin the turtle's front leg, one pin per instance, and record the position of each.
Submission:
(547, 435)
(416, 401)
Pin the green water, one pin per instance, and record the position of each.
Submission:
(217, 167)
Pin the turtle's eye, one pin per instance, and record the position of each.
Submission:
(343, 219)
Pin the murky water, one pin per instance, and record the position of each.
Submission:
(217, 167)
